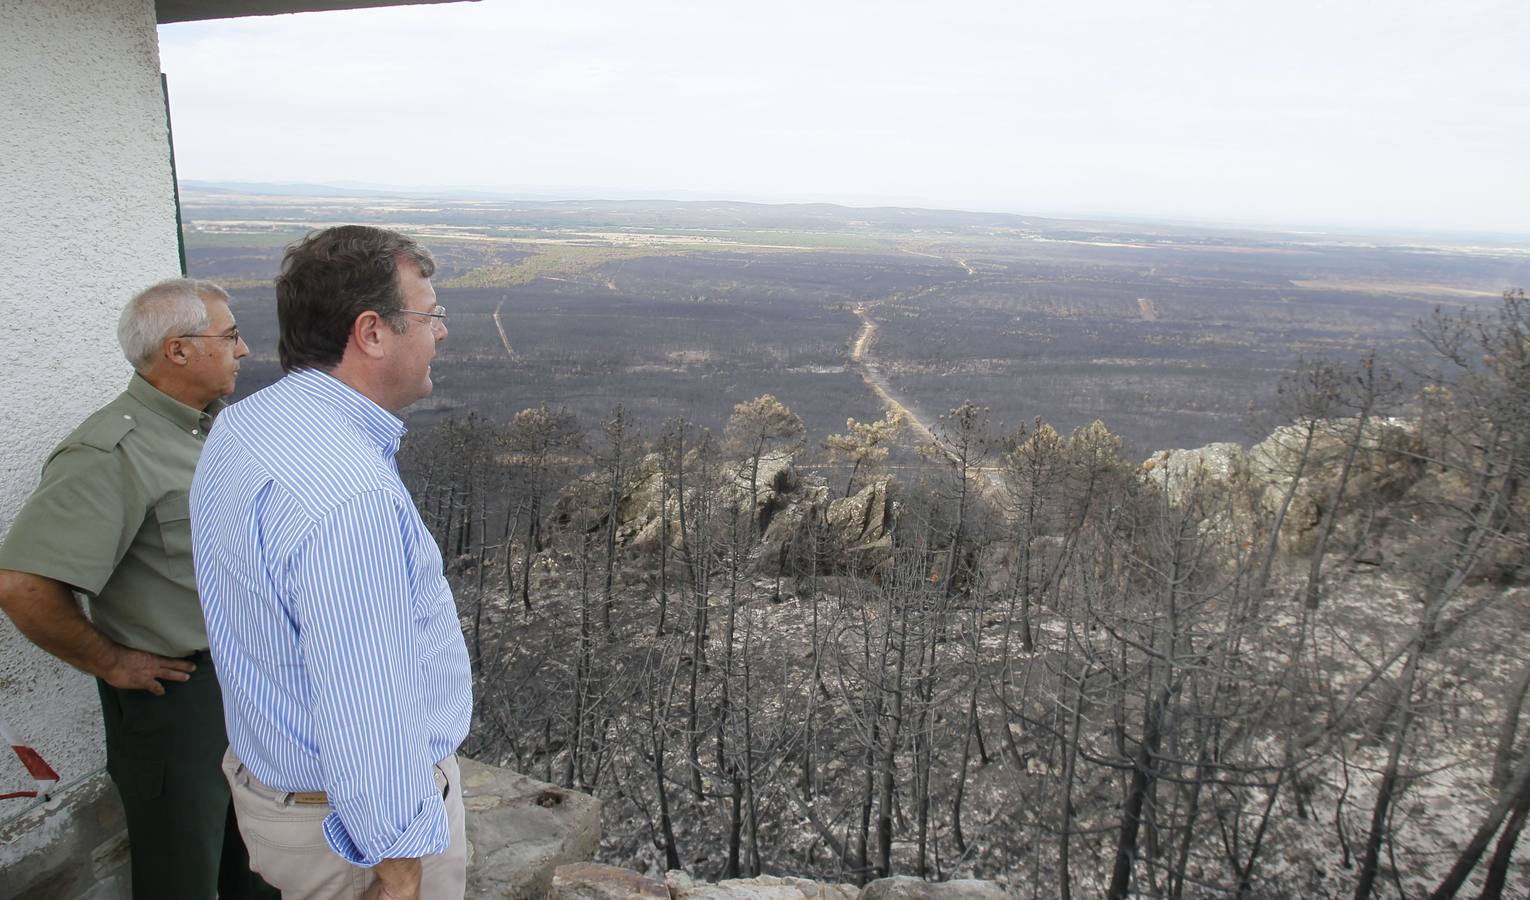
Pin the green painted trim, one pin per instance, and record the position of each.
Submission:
(175, 181)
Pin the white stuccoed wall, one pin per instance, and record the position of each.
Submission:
(87, 218)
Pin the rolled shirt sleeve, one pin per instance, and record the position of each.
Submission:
(355, 606)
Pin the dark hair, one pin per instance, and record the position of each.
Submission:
(328, 279)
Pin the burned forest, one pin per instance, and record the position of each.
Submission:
(1094, 563)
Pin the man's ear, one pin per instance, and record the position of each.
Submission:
(176, 351)
(367, 333)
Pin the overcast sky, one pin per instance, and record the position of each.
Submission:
(1400, 113)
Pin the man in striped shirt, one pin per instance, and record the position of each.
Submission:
(345, 675)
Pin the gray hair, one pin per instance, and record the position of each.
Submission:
(165, 310)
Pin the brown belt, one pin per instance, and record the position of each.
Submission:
(319, 798)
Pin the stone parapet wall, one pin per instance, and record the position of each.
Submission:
(588, 881)
(71, 848)
(519, 831)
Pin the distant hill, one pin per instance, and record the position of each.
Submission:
(641, 211)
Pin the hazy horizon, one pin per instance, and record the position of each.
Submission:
(562, 194)
(1304, 114)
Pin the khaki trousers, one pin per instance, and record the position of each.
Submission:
(287, 846)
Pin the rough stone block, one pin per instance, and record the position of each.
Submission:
(903, 887)
(590, 881)
(520, 830)
(765, 887)
(75, 847)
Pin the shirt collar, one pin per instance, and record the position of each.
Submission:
(194, 421)
(381, 427)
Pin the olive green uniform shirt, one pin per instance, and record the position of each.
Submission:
(111, 518)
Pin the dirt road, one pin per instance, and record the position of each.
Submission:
(990, 481)
(503, 337)
(871, 373)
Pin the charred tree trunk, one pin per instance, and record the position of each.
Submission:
(887, 765)
(533, 547)
(1143, 766)
(1498, 868)
(661, 784)
(1514, 702)
(1511, 802)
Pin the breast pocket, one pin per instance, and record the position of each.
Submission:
(174, 514)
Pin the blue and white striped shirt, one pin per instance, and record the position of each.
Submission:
(331, 625)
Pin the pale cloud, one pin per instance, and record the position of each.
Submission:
(1409, 113)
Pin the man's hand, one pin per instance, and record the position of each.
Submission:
(46, 612)
(136, 670)
(397, 879)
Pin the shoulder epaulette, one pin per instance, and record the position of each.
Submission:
(106, 432)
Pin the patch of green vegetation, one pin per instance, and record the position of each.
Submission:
(197, 238)
(816, 239)
(552, 260)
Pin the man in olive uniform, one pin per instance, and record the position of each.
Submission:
(110, 520)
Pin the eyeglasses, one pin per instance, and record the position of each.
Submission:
(232, 335)
(438, 312)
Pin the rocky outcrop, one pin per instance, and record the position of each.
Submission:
(850, 535)
(1391, 487)
(863, 525)
(585, 503)
(1179, 472)
(1387, 465)
(801, 525)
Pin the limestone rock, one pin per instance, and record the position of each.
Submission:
(1388, 465)
(858, 538)
(864, 516)
(903, 887)
(764, 887)
(1180, 471)
(591, 881)
(776, 475)
(862, 526)
(519, 830)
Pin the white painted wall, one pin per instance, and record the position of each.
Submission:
(87, 218)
